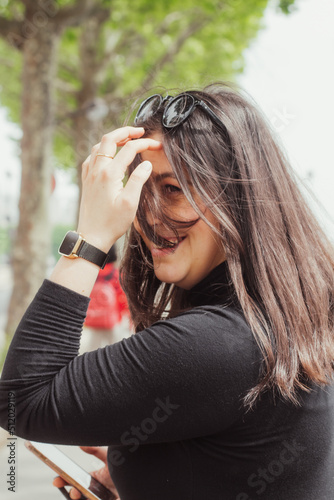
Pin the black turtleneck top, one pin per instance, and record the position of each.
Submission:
(168, 402)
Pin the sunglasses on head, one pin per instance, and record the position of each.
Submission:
(176, 111)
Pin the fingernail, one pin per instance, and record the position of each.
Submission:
(146, 165)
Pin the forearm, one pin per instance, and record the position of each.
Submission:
(50, 330)
(78, 275)
(47, 339)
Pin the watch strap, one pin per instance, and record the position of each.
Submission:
(74, 245)
(92, 254)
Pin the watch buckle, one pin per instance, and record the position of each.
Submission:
(76, 247)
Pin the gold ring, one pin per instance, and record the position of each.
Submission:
(107, 156)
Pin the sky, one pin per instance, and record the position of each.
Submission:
(290, 73)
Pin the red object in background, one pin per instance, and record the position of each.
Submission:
(53, 183)
(108, 301)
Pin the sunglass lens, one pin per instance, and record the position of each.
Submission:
(148, 108)
(178, 110)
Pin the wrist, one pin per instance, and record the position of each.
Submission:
(78, 275)
(75, 245)
(97, 241)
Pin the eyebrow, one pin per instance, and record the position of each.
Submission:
(164, 175)
(170, 175)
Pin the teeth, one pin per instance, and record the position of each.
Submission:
(172, 242)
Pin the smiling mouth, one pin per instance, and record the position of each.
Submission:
(172, 243)
(168, 247)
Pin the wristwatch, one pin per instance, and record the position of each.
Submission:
(74, 245)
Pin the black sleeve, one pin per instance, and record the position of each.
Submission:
(182, 378)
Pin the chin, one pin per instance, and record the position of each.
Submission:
(168, 275)
(180, 281)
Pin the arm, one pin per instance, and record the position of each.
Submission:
(184, 376)
(107, 209)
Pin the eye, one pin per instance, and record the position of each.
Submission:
(172, 189)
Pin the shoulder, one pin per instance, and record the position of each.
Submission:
(206, 357)
(210, 337)
(219, 324)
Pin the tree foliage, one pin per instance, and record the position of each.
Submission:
(175, 44)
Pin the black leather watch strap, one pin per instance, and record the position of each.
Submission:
(74, 245)
(92, 254)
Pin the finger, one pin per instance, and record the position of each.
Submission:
(75, 494)
(59, 482)
(135, 183)
(132, 148)
(110, 141)
(93, 155)
(85, 167)
(122, 143)
(118, 136)
(89, 161)
(98, 451)
(103, 477)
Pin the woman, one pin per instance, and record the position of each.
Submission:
(225, 391)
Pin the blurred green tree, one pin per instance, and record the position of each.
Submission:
(34, 29)
(74, 70)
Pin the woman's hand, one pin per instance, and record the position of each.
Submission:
(107, 208)
(102, 475)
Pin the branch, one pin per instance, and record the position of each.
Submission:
(166, 23)
(171, 52)
(67, 68)
(128, 39)
(67, 114)
(76, 14)
(64, 86)
(10, 30)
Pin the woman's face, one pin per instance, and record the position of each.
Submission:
(198, 251)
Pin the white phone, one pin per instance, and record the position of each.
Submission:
(70, 471)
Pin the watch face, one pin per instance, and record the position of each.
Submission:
(68, 244)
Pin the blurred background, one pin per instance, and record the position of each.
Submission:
(72, 70)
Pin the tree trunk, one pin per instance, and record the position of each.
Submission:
(31, 247)
(88, 121)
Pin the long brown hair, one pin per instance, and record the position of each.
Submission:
(280, 262)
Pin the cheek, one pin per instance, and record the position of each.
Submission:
(181, 211)
(138, 228)
(206, 238)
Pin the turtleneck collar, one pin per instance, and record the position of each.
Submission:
(215, 288)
